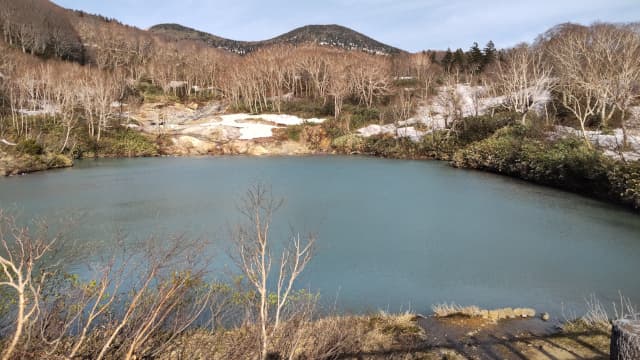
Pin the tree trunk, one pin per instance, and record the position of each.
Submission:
(66, 139)
(19, 326)
(584, 133)
(625, 340)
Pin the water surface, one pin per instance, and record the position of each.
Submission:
(392, 234)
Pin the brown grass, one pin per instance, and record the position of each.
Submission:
(326, 338)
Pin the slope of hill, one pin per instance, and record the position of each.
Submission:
(328, 35)
(40, 28)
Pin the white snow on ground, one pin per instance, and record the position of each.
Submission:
(472, 100)
(250, 130)
(372, 130)
(390, 129)
(41, 109)
(436, 113)
(280, 119)
(609, 143)
(238, 126)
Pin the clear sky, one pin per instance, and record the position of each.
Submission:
(411, 25)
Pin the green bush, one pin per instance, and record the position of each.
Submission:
(567, 163)
(625, 182)
(307, 108)
(439, 145)
(349, 143)
(127, 142)
(334, 128)
(293, 132)
(476, 128)
(29, 147)
(58, 161)
(361, 116)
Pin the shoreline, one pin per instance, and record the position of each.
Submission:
(315, 153)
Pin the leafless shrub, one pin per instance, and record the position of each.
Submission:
(596, 315)
(24, 273)
(524, 79)
(254, 258)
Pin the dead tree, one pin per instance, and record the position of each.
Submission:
(24, 272)
(254, 258)
(523, 79)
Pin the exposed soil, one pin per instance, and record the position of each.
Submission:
(476, 338)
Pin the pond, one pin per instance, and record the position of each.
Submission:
(392, 235)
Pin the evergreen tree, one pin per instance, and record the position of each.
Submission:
(447, 60)
(489, 53)
(476, 58)
(432, 56)
(459, 59)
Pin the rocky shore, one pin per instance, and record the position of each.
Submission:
(11, 164)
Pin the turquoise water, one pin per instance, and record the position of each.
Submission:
(392, 235)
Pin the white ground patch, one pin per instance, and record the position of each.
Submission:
(433, 115)
(610, 143)
(249, 130)
(436, 113)
(40, 109)
(235, 126)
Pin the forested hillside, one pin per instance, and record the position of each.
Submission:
(326, 35)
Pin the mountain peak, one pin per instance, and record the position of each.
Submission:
(332, 35)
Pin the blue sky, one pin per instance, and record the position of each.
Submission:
(411, 25)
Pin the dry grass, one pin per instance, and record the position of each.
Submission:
(446, 310)
(450, 310)
(326, 338)
(596, 316)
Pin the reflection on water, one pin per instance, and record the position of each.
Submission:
(392, 234)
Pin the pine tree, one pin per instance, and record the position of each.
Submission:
(489, 53)
(476, 58)
(459, 60)
(447, 60)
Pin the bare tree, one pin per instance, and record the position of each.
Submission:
(24, 272)
(168, 271)
(370, 77)
(79, 307)
(449, 101)
(524, 79)
(425, 71)
(253, 244)
(99, 91)
(615, 53)
(339, 83)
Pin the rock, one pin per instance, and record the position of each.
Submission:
(190, 145)
(525, 312)
(625, 340)
(257, 150)
(545, 316)
(509, 313)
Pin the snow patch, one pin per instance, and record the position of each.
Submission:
(251, 130)
(235, 126)
(437, 114)
(40, 109)
(610, 143)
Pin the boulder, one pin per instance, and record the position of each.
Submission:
(257, 150)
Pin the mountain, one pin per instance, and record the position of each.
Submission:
(41, 28)
(328, 35)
